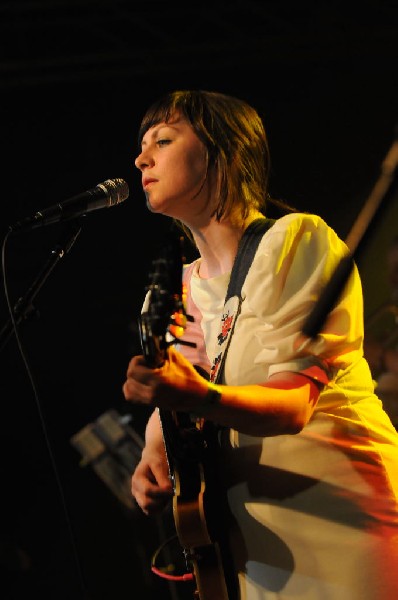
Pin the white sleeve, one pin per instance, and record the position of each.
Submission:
(295, 260)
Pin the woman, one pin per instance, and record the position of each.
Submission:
(311, 458)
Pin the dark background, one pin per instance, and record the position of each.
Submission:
(75, 79)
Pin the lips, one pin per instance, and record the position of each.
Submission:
(147, 181)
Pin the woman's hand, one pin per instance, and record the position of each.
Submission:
(150, 484)
(174, 386)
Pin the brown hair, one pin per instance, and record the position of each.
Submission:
(237, 147)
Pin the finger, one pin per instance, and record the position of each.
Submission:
(135, 391)
(151, 507)
(150, 498)
(134, 364)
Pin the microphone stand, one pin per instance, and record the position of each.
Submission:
(24, 308)
(335, 285)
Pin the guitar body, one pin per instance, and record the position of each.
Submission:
(194, 505)
(191, 447)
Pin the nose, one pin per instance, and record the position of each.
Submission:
(142, 161)
(139, 163)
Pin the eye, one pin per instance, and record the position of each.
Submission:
(163, 142)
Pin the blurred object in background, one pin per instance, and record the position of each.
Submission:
(113, 449)
(381, 339)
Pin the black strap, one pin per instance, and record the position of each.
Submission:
(244, 258)
(246, 251)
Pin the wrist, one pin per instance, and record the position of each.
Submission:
(209, 401)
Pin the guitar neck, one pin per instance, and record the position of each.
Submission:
(188, 450)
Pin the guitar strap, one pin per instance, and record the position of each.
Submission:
(233, 299)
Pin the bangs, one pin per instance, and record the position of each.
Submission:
(155, 115)
(188, 104)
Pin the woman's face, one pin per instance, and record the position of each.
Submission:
(173, 162)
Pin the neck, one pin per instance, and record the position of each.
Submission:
(218, 243)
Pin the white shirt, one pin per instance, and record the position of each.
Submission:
(315, 513)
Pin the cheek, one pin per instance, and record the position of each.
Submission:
(195, 166)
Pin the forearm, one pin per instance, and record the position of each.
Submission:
(153, 433)
(281, 406)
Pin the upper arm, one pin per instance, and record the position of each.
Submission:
(308, 392)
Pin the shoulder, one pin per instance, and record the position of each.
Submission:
(298, 247)
(308, 228)
(298, 220)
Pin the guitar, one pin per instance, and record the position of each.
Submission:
(191, 447)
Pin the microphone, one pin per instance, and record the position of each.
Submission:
(106, 194)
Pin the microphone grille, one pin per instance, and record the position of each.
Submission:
(117, 189)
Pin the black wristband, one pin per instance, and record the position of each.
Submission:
(211, 399)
